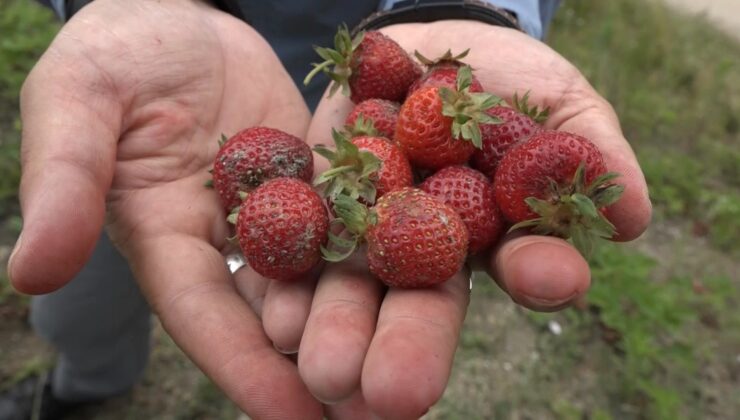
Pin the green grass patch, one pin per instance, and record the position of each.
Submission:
(6, 291)
(26, 29)
(648, 344)
(35, 366)
(648, 341)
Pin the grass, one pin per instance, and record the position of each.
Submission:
(26, 29)
(653, 327)
(642, 347)
(37, 365)
(6, 291)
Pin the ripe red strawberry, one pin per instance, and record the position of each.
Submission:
(365, 167)
(518, 124)
(281, 228)
(413, 239)
(255, 155)
(395, 169)
(556, 182)
(472, 196)
(417, 240)
(383, 114)
(370, 65)
(438, 127)
(442, 72)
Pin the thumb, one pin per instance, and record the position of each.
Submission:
(71, 123)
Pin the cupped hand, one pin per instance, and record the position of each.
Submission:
(389, 352)
(121, 118)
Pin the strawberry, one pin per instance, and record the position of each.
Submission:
(370, 65)
(442, 72)
(556, 183)
(365, 167)
(518, 124)
(438, 127)
(255, 155)
(383, 114)
(281, 228)
(395, 169)
(471, 194)
(413, 240)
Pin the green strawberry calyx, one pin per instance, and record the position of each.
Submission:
(445, 58)
(234, 213)
(522, 105)
(355, 217)
(362, 127)
(337, 64)
(353, 171)
(467, 109)
(574, 211)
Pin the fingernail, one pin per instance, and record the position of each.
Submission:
(540, 303)
(284, 351)
(13, 253)
(325, 401)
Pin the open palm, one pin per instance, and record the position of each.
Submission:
(397, 345)
(121, 121)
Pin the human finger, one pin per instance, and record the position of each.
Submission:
(410, 358)
(339, 329)
(286, 308)
(353, 408)
(200, 308)
(542, 273)
(71, 123)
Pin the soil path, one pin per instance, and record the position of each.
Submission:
(724, 13)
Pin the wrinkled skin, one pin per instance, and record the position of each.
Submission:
(121, 118)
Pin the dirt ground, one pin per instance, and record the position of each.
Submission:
(724, 13)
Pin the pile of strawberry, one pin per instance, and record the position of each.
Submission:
(428, 170)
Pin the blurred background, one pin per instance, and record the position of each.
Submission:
(658, 336)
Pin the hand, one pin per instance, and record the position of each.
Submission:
(125, 110)
(390, 352)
